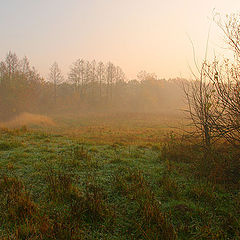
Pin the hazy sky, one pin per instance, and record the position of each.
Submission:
(149, 35)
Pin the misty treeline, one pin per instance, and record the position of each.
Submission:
(89, 86)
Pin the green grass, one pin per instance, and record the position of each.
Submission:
(56, 187)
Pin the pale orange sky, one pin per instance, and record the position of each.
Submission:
(137, 35)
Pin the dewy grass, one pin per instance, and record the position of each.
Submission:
(60, 187)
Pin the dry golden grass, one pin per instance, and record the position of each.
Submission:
(28, 119)
(121, 128)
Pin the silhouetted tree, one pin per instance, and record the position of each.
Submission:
(76, 75)
(214, 100)
(56, 77)
(101, 76)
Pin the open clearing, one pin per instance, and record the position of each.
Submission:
(107, 177)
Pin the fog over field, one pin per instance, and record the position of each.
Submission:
(119, 120)
(90, 87)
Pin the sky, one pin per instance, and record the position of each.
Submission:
(151, 35)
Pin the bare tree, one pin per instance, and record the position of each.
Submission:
(93, 78)
(145, 76)
(214, 99)
(56, 77)
(100, 76)
(225, 120)
(9, 68)
(87, 79)
(199, 95)
(110, 78)
(76, 75)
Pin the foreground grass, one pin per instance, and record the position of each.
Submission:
(52, 187)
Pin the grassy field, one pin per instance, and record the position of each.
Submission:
(112, 177)
(123, 128)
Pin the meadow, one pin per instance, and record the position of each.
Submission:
(115, 176)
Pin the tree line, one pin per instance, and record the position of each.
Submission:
(88, 86)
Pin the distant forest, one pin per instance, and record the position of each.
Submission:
(89, 86)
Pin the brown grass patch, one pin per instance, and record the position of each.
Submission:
(28, 119)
